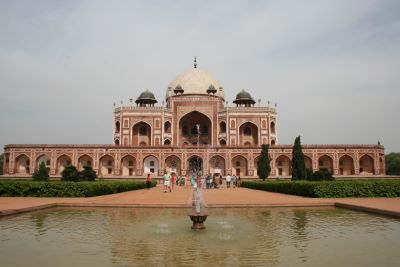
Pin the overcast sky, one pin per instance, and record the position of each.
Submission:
(333, 67)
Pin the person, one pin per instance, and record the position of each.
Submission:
(167, 182)
(220, 180)
(148, 181)
(214, 181)
(172, 181)
(238, 182)
(234, 178)
(228, 181)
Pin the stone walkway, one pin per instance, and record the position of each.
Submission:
(181, 197)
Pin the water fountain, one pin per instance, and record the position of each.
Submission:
(197, 216)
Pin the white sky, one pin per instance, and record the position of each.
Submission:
(332, 66)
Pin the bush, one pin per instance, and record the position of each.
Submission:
(42, 174)
(321, 176)
(87, 174)
(13, 188)
(70, 173)
(328, 189)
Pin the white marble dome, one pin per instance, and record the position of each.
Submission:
(195, 81)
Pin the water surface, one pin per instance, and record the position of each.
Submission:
(234, 237)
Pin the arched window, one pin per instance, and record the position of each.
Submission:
(222, 127)
(143, 130)
(167, 142)
(117, 141)
(272, 142)
(237, 163)
(167, 127)
(222, 142)
(117, 127)
(247, 131)
(273, 127)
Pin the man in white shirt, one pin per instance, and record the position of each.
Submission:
(228, 181)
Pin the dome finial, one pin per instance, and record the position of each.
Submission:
(195, 62)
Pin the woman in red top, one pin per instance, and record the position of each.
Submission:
(172, 180)
(148, 181)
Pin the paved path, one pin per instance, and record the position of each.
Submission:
(181, 197)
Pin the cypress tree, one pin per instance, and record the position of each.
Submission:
(263, 164)
(298, 164)
(42, 174)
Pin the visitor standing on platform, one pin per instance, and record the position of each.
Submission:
(167, 182)
(220, 180)
(148, 181)
(228, 181)
(172, 181)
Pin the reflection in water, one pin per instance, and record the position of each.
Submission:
(237, 237)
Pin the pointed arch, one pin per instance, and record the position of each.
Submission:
(173, 164)
(106, 165)
(22, 164)
(346, 165)
(150, 164)
(217, 165)
(128, 165)
(62, 161)
(84, 160)
(45, 159)
(366, 165)
(248, 134)
(141, 134)
(190, 124)
(325, 163)
(239, 166)
(283, 166)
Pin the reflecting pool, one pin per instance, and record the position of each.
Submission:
(233, 237)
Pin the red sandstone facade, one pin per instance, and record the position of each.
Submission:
(194, 126)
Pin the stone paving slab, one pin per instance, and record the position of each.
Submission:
(181, 197)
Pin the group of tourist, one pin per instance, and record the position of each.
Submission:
(196, 181)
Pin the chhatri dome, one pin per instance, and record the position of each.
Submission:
(195, 81)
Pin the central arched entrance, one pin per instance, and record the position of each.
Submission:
(195, 165)
(195, 128)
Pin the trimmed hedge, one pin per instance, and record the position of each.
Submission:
(330, 189)
(13, 188)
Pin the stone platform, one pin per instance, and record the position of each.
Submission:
(181, 197)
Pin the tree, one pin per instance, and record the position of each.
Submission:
(393, 164)
(42, 174)
(1, 163)
(263, 164)
(298, 165)
(70, 173)
(87, 174)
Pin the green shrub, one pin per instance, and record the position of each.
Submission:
(70, 173)
(42, 174)
(330, 189)
(87, 174)
(321, 176)
(67, 189)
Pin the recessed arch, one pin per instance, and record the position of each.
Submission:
(248, 134)
(45, 159)
(128, 165)
(167, 127)
(283, 166)
(308, 162)
(173, 164)
(141, 134)
(239, 166)
(195, 165)
(346, 165)
(106, 165)
(150, 165)
(272, 127)
(22, 164)
(63, 161)
(84, 160)
(325, 163)
(195, 128)
(217, 165)
(222, 127)
(117, 127)
(366, 165)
